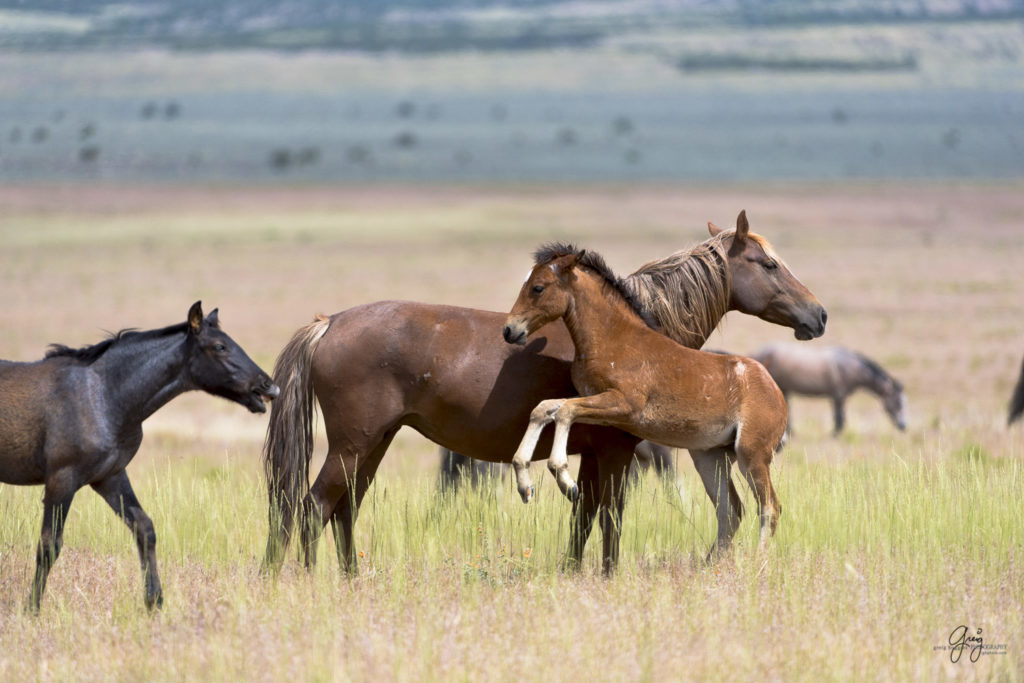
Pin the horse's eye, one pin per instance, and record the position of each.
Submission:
(770, 265)
(537, 289)
(219, 348)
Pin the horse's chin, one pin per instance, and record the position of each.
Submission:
(803, 334)
(256, 401)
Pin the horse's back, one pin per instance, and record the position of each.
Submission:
(801, 368)
(443, 370)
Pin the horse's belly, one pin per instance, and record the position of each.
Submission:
(685, 431)
(444, 371)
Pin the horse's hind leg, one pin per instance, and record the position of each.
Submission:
(117, 491)
(57, 498)
(713, 468)
(754, 465)
(346, 511)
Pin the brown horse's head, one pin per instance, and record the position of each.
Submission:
(543, 298)
(763, 286)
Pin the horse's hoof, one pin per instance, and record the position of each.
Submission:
(573, 493)
(526, 493)
(154, 604)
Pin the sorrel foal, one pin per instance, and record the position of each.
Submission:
(633, 378)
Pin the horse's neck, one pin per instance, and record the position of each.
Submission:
(589, 314)
(668, 303)
(143, 376)
(864, 378)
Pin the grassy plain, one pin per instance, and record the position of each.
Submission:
(887, 541)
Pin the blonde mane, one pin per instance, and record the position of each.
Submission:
(686, 293)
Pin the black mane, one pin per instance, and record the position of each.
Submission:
(595, 262)
(87, 355)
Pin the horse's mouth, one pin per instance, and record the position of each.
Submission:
(803, 333)
(258, 398)
(514, 336)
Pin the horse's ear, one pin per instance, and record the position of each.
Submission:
(742, 228)
(195, 317)
(576, 258)
(212, 319)
(713, 229)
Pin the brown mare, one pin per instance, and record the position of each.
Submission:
(631, 377)
(834, 372)
(381, 366)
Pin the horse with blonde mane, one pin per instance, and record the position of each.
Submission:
(630, 377)
(381, 366)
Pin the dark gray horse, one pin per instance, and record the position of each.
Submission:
(1017, 400)
(75, 419)
(834, 372)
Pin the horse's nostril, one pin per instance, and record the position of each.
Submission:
(824, 317)
(506, 333)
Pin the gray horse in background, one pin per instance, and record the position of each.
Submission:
(834, 372)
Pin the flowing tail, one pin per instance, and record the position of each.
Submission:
(1017, 402)
(289, 445)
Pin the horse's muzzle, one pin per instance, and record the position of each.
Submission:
(264, 392)
(514, 334)
(814, 328)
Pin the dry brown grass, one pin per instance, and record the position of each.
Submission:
(887, 540)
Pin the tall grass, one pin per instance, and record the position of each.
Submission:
(874, 565)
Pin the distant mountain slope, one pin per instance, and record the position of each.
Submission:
(427, 25)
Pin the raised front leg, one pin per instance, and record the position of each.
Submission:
(117, 491)
(541, 416)
(608, 408)
(57, 498)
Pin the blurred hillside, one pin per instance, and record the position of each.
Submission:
(444, 25)
(536, 91)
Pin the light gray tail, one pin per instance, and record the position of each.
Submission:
(289, 444)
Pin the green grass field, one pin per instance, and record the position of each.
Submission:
(887, 542)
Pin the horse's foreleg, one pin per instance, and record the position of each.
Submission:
(117, 491)
(613, 479)
(584, 510)
(57, 499)
(713, 468)
(558, 461)
(839, 414)
(608, 408)
(542, 415)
